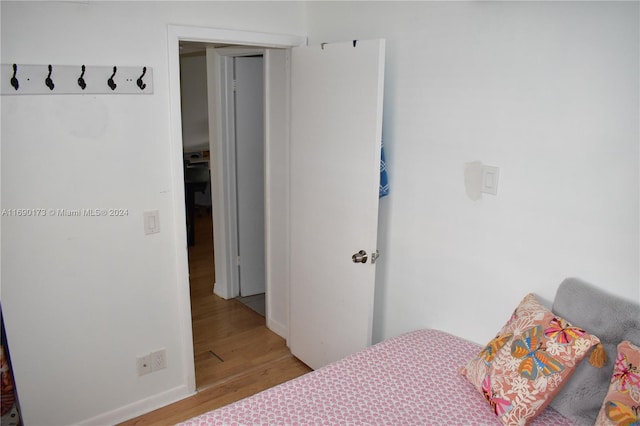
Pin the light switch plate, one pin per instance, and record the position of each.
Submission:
(151, 222)
(490, 175)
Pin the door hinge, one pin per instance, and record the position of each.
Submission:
(238, 260)
(234, 85)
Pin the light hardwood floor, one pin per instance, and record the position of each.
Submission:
(235, 354)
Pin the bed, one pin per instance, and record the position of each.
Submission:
(419, 378)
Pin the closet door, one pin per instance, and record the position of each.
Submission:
(249, 145)
(336, 128)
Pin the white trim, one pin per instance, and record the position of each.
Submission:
(239, 51)
(175, 34)
(278, 328)
(271, 324)
(275, 135)
(140, 407)
(248, 38)
(223, 184)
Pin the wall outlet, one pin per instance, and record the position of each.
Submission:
(144, 365)
(158, 360)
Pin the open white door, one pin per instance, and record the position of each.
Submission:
(336, 129)
(249, 145)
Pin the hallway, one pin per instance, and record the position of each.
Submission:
(230, 339)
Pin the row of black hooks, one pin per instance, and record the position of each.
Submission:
(15, 83)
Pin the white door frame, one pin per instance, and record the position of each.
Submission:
(176, 34)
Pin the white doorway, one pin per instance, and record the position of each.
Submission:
(244, 112)
(290, 242)
(275, 143)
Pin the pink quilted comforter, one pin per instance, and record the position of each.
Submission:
(412, 379)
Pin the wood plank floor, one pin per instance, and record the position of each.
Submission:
(235, 354)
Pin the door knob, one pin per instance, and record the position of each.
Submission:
(360, 257)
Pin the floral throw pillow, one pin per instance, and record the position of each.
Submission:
(622, 404)
(526, 364)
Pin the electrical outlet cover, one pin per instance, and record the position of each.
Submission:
(144, 365)
(159, 360)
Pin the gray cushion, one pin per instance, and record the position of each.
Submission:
(612, 319)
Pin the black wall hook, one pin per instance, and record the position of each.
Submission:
(355, 42)
(112, 84)
(14, 80)
(139, 82)
(48, 81)
(81, 82)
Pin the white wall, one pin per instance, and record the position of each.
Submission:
(195, 109)
(83, 297)
(549, 93)
(546, 91)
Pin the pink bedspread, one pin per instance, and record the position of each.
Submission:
(412, 379)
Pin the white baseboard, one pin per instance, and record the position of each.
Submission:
(278, 328)
(139, 408)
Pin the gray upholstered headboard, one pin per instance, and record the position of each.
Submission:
(612, 319)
